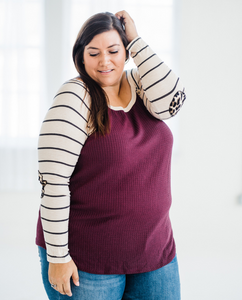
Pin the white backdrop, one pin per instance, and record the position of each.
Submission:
(207, 170)
(22, 91)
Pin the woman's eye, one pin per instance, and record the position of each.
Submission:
(113, 52)
(93, 54)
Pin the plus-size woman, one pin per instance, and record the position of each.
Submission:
(104, 164)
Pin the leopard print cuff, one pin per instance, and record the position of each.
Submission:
(177, 102)
(43, 183)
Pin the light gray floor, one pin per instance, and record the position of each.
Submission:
(203, 277)
(19, 263)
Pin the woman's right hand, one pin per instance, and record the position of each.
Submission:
(60, 274)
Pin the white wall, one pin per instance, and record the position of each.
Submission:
(207, 173)
(207, 170)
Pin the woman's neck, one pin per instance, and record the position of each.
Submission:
(120, 94)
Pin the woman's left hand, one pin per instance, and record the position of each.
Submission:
(128, 22)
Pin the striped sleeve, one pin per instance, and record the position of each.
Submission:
(63, 133)
(161, 90)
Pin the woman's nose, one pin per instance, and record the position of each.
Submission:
(104, 60)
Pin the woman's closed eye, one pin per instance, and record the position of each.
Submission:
(96, 54)
(93, 54)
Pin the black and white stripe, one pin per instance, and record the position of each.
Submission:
(63, 134)
(156, 82)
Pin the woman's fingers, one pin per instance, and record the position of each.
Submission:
(66, 289)
(128, 22)
(63, 289)
(75, 277)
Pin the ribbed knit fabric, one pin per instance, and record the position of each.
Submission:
(120, 197)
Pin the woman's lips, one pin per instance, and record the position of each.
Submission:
(105, 71)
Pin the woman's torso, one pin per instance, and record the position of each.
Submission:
(120, 196)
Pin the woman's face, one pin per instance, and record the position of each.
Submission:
(104, 58)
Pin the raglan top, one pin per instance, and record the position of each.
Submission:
(64, 137)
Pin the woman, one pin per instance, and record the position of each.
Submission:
(104, 165)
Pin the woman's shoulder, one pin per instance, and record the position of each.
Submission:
(73, 90)
(74, 85)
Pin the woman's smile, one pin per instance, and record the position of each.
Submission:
(105, 71)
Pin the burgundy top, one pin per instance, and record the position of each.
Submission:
(120, 197)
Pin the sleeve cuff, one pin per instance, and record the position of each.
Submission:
(57, 260)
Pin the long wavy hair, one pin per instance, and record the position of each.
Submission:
(98, 23)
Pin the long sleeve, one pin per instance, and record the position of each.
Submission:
(63, 134)
(161, 90)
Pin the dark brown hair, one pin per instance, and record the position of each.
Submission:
(98, 23)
